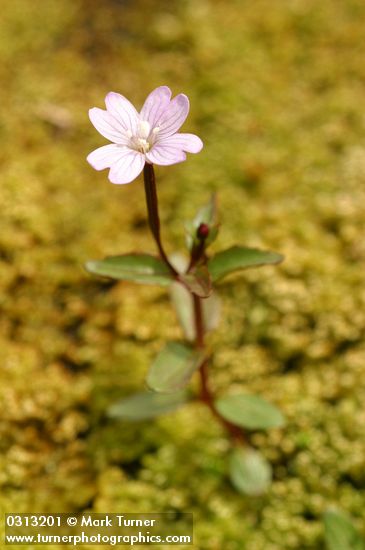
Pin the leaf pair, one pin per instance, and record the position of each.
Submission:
(148, 269)
(250, 472)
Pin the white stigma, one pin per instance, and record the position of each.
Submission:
(144, 129)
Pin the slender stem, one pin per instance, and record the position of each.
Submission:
(152, 208)
(205, 393)
(154, 222)
(199, 323)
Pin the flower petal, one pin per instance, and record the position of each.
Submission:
(174, 116)
(127, 167)
(185, 142)
(155, 105)
(105, 156)
(165, 155)
(123, 111)
(108, 126)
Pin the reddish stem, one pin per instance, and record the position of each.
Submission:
(205, 393)
(152, 208)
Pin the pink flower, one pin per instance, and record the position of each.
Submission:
(149, 136)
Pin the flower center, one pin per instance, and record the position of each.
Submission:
(143, 145)
(144, 138)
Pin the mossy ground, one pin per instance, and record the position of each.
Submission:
(277, 92)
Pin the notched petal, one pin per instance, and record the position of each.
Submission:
(127, 167)
(108, 126)
(165, 156)
(105, 156)
(122, 110)
(174, 116)
(186, 142)
(155, 105)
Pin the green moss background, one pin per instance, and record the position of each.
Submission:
(277, 90)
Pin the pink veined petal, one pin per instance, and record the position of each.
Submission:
(174, 116)
(155, 105)
(184, 142)
(105, 156)
(165, 155)
(108, 126)
(127, 167)
(123, 111)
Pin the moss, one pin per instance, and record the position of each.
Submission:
(276, 92)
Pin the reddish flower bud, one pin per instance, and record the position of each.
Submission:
(203, 231)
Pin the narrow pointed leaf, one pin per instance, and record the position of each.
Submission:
(340, 533)
(145, 405)
(250, 472)
(207, 215)
(173, 368)
(140, 268)
(238, 257)
(249, 411)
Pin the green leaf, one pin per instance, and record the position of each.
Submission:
(208, 215)
(183, 305)
(173, 368)
(140, 268)
(249, 411)
(145, 405)
(198, 281)
(250, 472)
(340, 533)
(238, 257)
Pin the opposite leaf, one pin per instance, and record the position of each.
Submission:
(238, 257)
(340, 534)
(145, 405)
(250, 472)
(249, 411)
(140, 268)
(173, 368)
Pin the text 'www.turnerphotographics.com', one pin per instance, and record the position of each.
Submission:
(112, 529)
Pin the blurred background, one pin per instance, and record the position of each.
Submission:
(277, 93)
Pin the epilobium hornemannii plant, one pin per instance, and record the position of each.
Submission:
(140, 140)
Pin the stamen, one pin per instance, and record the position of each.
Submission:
(144, 146)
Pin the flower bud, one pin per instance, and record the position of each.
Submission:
(203, 231)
